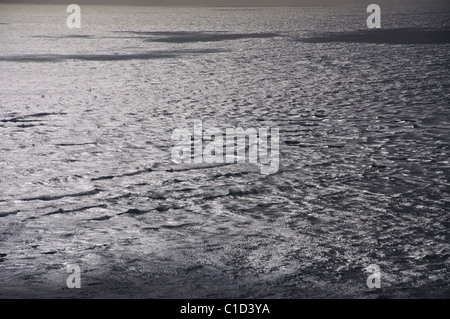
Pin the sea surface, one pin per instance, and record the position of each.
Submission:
(87, 178)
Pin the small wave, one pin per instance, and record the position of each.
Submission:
(63, 211)
(147, 170)
(104, 57)
(29, 117)
(9, 213)
(387, 36)
(50, 198)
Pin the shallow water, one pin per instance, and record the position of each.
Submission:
(87, 178)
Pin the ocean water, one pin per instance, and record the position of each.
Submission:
(86, 175)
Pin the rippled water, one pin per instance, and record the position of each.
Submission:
(87, 178)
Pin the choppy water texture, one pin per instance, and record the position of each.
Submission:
(86, 174)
